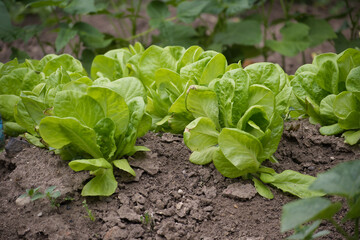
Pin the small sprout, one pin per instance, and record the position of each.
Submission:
(89, 212)
(147, 220)
(49, 194)
(67, 198)
(52, 195)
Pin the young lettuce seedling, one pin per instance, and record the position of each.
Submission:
(49, 194)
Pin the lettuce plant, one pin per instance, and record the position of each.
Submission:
(341, 181)
(14, 78)
(57, 73)
(238, 125)
(98, 127)
(96, 121)
(113, 64)
(167, 73)
(329, 92)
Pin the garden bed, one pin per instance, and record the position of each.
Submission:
(170, 198)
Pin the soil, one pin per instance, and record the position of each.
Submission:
(170, 198)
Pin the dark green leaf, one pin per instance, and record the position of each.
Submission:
(157, 11)
(247, 32)
(342, 180)
(19, 54)
(302, 211)
(176, 34)
(90, 36)
(187, 11)
(306, 232)
(320, 31)
(80, 7)
(63, 38)
(294, 39)
(342, 43)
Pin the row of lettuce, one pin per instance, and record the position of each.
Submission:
(229, 115)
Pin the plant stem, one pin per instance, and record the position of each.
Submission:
(284, 8)
(114, 6)
(147, 31)
(220, 24)
(351, 20)
(40, 44)
(266, 26)
(140, 34)
(303, 57)
(339, 228)
(283, 62)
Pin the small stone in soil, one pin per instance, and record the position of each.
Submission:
(123, 199)
(127, 177)
(115, 233)
(167, 212)
(208, 209)
(139, 199)
(159, 204)
(240, 191)
(179, 205)
(125, 212)
(209, 192)
(136, 232)
(145, 161)
(22, 230)
(22, 201)
(39, 214)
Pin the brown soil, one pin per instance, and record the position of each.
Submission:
(183, 200)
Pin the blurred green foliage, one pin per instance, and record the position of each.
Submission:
(238, 28)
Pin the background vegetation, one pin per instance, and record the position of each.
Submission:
(239, 29)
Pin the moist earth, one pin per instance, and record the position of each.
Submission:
(170, 198)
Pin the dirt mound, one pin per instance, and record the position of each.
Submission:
(170, 198)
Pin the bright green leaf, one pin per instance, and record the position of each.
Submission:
(204, 156)
(240, 148)
(201, 134)
(124, 165)
(59, 132)
(262, 189)
(103, 184)
(202, 102)
(292, 182)
(113, 106)
(89, 164)
(78, 105)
